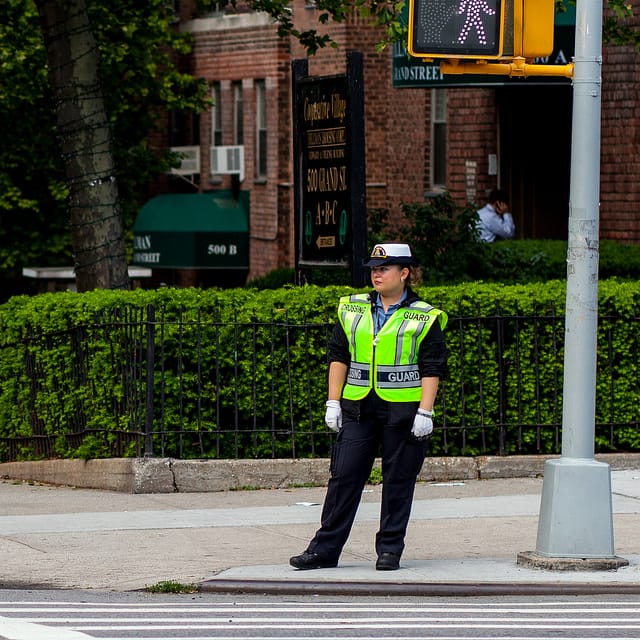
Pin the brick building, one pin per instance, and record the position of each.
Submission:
(421, 136)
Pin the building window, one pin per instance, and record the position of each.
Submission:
(184, 128)
(261, 129)
(438, 137)
(238, 125)
(216, 116)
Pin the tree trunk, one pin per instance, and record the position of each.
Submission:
(85, 138)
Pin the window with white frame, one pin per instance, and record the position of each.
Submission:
(238, 113)
(438, 137)
(216, 115)
(261, 129)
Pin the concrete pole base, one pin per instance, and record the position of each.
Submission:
(576, 514)
(536, 560)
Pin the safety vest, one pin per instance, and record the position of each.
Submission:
(389, 361)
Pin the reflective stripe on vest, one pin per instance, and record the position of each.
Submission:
(395, 367)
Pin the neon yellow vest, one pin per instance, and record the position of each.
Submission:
(388, 362)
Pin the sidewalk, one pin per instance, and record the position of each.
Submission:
(464, 538)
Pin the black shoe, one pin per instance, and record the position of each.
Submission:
(388, 561)
(308, 560)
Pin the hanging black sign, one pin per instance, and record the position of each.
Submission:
(325, 171)
(329, 159)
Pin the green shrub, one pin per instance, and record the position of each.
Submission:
(513, 261)
(318, 276)
(274, 279)
(74, 364)
(443, 238)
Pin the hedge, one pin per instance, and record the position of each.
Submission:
(501, 395)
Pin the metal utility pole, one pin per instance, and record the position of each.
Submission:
(576, 519)
(576, 514)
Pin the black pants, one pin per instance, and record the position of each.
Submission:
(370, 426)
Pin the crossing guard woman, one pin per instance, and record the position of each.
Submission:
(386, 357)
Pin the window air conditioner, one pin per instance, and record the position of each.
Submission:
(190, 157)
(227, 160)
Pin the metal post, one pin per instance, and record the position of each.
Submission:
(299, 70)
(355, 78)
(576, 513)
(148, 422)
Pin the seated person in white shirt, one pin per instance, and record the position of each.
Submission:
(494, 220)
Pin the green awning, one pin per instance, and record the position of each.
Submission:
(193, 230)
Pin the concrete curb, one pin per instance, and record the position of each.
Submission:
(415, 589)
(167, 475)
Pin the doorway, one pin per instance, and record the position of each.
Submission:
(535, 157)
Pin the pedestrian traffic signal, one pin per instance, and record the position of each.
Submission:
(456, 28)
(481, 29)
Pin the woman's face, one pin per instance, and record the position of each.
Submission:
(389, 279)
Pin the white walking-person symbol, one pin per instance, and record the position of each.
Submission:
(473, 20)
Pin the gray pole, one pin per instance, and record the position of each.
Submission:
(575, 513)
(582, 251)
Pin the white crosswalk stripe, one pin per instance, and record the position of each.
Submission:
(32, 620)
(20, 630)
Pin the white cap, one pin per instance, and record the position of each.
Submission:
(390, 253)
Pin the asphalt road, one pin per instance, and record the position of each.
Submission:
(82, 615)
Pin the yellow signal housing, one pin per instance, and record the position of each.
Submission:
(533, 22)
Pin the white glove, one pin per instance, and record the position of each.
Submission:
(422, 424)
(333, 416)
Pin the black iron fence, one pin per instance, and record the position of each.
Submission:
(137, 382)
